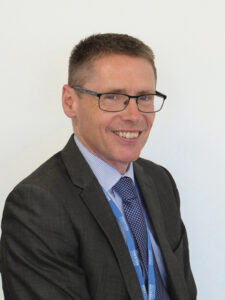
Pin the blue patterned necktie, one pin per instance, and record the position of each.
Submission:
(135, 218)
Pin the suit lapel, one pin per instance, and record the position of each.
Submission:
(95, 200)
(152, 203)
(150, 198)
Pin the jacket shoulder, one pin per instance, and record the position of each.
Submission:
(47, 171)
(154, 169)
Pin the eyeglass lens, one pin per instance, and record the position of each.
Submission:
(118, 102)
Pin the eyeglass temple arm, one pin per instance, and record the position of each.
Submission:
(161, 95)
(84, 90)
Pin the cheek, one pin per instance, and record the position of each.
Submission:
(150, 120)
(85, 114)
(93, 125)
(104, 121)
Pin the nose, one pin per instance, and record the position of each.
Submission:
(131, 112)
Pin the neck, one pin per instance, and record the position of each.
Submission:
(120, 167)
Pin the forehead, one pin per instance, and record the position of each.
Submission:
(121, 72)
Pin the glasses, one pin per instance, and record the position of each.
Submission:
(115, 102)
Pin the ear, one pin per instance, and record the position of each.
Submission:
(69, 101)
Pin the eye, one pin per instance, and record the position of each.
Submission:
(112, 97)
(146, 98)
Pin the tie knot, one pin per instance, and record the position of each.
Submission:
(125, 188)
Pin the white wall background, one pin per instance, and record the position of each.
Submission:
(188, 38)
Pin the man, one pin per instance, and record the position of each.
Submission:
(96, 221)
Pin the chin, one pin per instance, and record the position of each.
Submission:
(129, 158)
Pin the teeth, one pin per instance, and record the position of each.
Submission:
(127, 135)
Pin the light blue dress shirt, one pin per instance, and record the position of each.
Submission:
(100, 168)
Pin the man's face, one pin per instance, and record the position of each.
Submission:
(115, 137)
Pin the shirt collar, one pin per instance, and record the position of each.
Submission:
(100, 168)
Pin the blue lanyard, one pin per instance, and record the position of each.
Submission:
(133, 253)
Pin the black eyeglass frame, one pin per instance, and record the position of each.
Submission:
(85, 91)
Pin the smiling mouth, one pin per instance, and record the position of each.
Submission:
(128, 134)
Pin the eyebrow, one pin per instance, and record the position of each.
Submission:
(123, 91)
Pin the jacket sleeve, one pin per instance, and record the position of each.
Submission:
(39, 249)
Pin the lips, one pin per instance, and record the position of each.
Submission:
(127, 134)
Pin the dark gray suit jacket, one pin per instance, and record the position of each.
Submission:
(60, 239)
